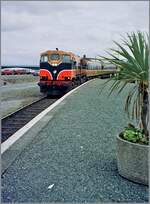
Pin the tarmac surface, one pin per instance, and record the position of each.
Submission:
(73, 158)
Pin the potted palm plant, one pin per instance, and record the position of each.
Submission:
(132, 142)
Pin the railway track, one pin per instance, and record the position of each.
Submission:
(15, 121)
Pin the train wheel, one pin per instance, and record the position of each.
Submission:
(83, 80)
(86, 79)
(79, 82)
(73, 83)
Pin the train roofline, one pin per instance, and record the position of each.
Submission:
(57, 51)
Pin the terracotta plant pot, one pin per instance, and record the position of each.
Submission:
(132, 161)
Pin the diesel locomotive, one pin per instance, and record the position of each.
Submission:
(60, 70)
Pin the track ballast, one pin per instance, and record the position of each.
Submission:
(15, 121)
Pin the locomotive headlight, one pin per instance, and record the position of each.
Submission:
(54, 65)
(55, 71)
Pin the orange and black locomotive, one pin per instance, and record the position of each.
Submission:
(58, 70)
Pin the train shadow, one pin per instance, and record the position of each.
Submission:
(50, 96)
(56, 93)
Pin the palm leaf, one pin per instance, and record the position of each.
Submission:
(133, 67)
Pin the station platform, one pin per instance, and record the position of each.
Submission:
(70, 154)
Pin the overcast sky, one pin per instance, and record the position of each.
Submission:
(83, 27)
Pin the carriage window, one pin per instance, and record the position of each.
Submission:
(44, 58)
(54, 57)
(66, 58)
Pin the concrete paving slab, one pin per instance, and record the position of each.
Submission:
(73, 158)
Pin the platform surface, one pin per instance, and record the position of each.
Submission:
(73, 158)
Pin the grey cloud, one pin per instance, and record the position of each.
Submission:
(38, 7)
(81, 27)
(13, 22)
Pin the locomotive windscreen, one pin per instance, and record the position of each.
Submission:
(44, 58)
(66, 59)
(54, 56)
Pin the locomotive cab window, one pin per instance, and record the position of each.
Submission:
(44, 58)
(54, 57)
(66, 59)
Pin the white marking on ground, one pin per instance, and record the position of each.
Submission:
(51, 186)
(11, 140)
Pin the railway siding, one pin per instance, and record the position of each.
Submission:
(74, 152)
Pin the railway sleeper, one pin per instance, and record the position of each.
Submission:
(14, 120)
(12, 125)
(10, 129)
(25, 115)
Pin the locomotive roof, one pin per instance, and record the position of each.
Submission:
(48, 52)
